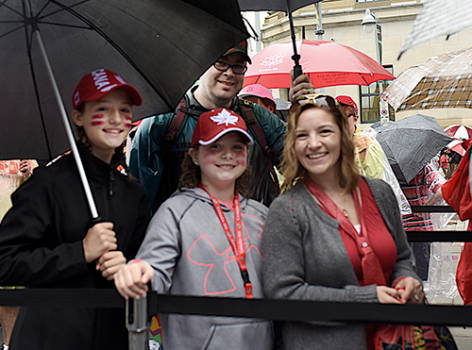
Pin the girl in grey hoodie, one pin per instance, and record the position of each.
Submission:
(203, 237)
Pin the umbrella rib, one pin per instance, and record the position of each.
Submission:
(10, 8)
(35, 84)
(112, 43)
(363, 79)
(11, 31)
(65, 25)
(61, 8)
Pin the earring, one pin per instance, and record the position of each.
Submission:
(196, 163)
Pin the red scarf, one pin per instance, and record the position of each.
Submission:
(371, 269)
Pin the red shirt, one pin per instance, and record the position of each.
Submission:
(380, 238)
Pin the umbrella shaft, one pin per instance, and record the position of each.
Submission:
(297, 69)
(70, 135)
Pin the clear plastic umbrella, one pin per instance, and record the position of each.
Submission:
(438, 17)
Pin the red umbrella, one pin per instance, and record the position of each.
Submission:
(456, 146)
(461, 132)
(327, 64)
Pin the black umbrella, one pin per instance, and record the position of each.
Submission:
(161, 47)
(410, 144)
(280, 5)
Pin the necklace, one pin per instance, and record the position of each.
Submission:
(345, 212)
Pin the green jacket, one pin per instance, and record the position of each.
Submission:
(159, 177)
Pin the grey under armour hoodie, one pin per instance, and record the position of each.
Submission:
(191, 255)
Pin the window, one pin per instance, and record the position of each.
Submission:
(370, 111)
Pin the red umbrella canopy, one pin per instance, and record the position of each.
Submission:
(456, 146)
(460, 132)
(327, 64)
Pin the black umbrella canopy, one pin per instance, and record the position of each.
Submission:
(161, 47)
(280, 5)
(410, 144)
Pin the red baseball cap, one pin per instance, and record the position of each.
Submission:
(99, 83)
(347, 101)
(213, 124)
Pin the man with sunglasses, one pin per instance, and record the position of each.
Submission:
(162, 141)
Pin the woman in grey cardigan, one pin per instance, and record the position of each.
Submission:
(332, 235)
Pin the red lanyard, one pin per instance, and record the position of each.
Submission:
(371, 268)
(238, 245)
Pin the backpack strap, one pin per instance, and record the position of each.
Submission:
(174, 127)
(253, 123)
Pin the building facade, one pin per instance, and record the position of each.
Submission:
(341, 21)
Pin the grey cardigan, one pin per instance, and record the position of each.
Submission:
(304, 258)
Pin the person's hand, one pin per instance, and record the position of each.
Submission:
(131, 280)
(388, 295)
(25, 167)
(411, 291)
(99, 240)
(110, 262)
(300, 86)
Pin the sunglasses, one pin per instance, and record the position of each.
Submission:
(322, 101)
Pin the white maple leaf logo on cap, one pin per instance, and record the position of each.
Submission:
(225, 117)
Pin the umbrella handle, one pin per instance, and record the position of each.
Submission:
(297, 70)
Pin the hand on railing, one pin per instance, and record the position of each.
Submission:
(131, 280)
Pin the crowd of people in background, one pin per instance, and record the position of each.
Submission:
(221, 198)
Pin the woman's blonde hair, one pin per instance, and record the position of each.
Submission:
(291, 168)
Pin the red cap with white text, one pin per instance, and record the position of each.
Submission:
(214, 124)
(99, 83)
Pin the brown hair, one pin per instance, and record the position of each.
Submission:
(293, 171)
(192, 176)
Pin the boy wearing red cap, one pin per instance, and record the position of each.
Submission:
(48, 238)
(205, 241)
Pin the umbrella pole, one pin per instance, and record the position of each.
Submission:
(65, 120)
(297, 69)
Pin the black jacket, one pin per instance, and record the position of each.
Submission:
(41, 246)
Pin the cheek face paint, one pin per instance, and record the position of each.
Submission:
(241, 159)
(95, 121)
(128, 119)
(209, 158)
